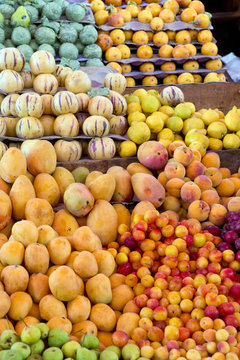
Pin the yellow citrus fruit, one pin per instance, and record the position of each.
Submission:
(150, 103)
(175, 123)
(140, 93)
(231, 141)
(166, 109)
(155, 122)
(215, 144)
(165, 142)
(136, 116)
(166, 134)
(210, 116)
(127, 148)
(133, 107)
(139, 132)
(192, 123)
(130, 82)
(217, 129)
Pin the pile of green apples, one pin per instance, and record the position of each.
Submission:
(38, 342)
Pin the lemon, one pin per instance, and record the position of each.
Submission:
(192, 123)
(210, 116)
(132, 107)
(153, 92)
(127, 148)
(215, 144)
(197, 145)
(175, 123)
(165, 142)
(231, 141)
(232, 119)
(132, 99)
(166, 134)
(183, 110)
(197, 114)
(196, 135)
(136, 116)
(166, 109)
(191, 106)
(139, 132)
(150, 104)
(178, 137)
(140, 93)
(217, 130)
(155, 122)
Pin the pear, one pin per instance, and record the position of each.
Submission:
(115, 349)
(37, 347)
(52, 353)
(232, 119)
(89, 341)
(85, 354)
(130, 352)
(30, 334)
(20, 17)
(44, 328)
(57, 337)
(108, 355)
(80, 174)
(70, 349)
(11, 355)
(34, 357)
(8, 338)
(22, 348)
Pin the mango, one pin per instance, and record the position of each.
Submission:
(64, 223)
(103, 221)
(123, 190)
(98, 289)
(147, 187)
(103, 187)
(134, 168)
(153, 155)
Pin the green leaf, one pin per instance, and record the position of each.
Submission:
(96, 92)
(73, 64)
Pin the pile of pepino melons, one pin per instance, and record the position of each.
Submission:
(53, 100)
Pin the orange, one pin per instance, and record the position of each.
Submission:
(145, 52)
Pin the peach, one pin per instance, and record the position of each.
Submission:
(171, 203)
(217, 214)
(211, 159)
(82, 327)
(78, 309)
(183, 154)
(210, 197)
(173, 186)
(162, 178)
(195, 169)
(214, 174)
(226, 188)
(103, 317)
(47, 188)
(153, 155)
(120, 296)
(50, 307)
(64, 284)
(173, 146)
(190, 192)
(127, 322)
(98, 289)
(226, 173)
(204, 182)
(85, 239)
(64, 223)
(5, 209)
(174, 169)
(39, 211)
(199, 210)
(105, 262)
(196, 155)
(234, 204)
(236, 183)
(85, 264)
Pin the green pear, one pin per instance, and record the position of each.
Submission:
(8, 338)
(22, 348)
(80, 174)
(85, 354)
(12, 355)
(44, 328)
(70, 349)
(52, 353)
(108, 355)
(89, 341)
(115, 349)
(30, 334)
(97, 352)
(130, 352)
(1, 353)
(57, 337)
(20, 17)
(37, 347)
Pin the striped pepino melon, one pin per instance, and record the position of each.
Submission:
(12, 59)
(101, 148)
(100, 105)
(29, 104)
(65, 102)
(116, 82)
(96, 126)
(8, 105)
(119, 103)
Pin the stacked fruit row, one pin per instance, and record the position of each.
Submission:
(150, 284)
(161, 37)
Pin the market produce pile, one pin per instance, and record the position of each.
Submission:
(64, 29)
(151, 43)
(151, 284)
